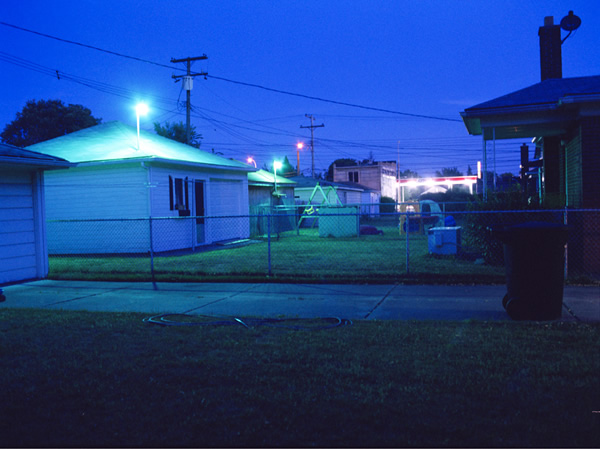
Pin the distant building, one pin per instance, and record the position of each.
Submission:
(379, 176)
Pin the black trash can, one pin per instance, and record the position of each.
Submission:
(534, 257)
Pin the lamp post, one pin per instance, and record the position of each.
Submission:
(251, 160)
(299, 146)
(276, 165)
(140, 109)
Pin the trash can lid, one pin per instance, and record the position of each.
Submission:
(537, 225)
(530, 230)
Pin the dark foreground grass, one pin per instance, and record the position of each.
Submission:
(100, 379)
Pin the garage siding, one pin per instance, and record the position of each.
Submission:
(18, 259)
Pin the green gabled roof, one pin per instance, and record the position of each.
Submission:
(115, 141)
(263, 177)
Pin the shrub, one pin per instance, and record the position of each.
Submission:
(501, 209)
(387, 205)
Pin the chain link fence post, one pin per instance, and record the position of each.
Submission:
(269, 241)
(151, 252)
(407, 223)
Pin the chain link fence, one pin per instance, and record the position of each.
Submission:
(328, 244)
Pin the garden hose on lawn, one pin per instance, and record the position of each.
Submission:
(328, 323)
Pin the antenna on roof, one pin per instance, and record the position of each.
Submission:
(569, 23)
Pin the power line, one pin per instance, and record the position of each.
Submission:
(114, 53)
(242, 83)
(341, 103)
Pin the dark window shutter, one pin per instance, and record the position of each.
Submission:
(170, 193)
(187, 203)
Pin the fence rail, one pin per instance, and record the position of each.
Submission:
(324, 245)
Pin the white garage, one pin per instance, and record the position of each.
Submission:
(23, 250)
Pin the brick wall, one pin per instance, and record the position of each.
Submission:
(590, 149)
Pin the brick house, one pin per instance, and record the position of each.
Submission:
(562, 115)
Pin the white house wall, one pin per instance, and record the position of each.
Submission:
(225, 195)
(97, 192)
(98, 209)
(105, 209)
(22, 249)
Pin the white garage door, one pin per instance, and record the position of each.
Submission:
(226, 198)
(18, 249)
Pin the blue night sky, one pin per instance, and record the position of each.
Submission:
(426, 58)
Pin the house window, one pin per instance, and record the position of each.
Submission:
(353, 176)
(178, 194)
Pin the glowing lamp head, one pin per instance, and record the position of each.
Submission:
(300, 145)
(141, 109)
(277, 165)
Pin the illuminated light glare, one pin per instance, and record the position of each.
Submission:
(251, 160)
(140, 109)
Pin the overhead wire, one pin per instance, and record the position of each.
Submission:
(67, 41)
(425, 151)
(242, 83)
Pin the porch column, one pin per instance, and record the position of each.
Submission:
(552, 172)
(484, 177)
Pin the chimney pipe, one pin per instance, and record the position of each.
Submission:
(550, 49)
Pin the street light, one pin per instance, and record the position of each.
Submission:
(299, 146)
(276, 165)
(140, 109)
(251, 160)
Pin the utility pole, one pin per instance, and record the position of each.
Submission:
(312, 139)
(188, 84)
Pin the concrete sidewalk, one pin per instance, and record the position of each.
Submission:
(355, 302)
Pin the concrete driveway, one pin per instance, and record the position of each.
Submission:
(355, 302)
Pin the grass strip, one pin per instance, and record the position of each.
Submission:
(306, 257)
(111, 379)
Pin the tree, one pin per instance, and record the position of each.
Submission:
(178, 132)
(448, 172)
(408, 174)
(43, 120)
(287, 169)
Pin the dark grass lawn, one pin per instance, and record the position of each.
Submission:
(108, 379)
(305, 257)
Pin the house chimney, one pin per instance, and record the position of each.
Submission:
(550, 49)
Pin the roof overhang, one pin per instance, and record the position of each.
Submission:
(519, 122)
(35, 164)
(15, 156)
(172, 162)
(549, 108)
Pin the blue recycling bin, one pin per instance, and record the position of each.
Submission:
(534, 258)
